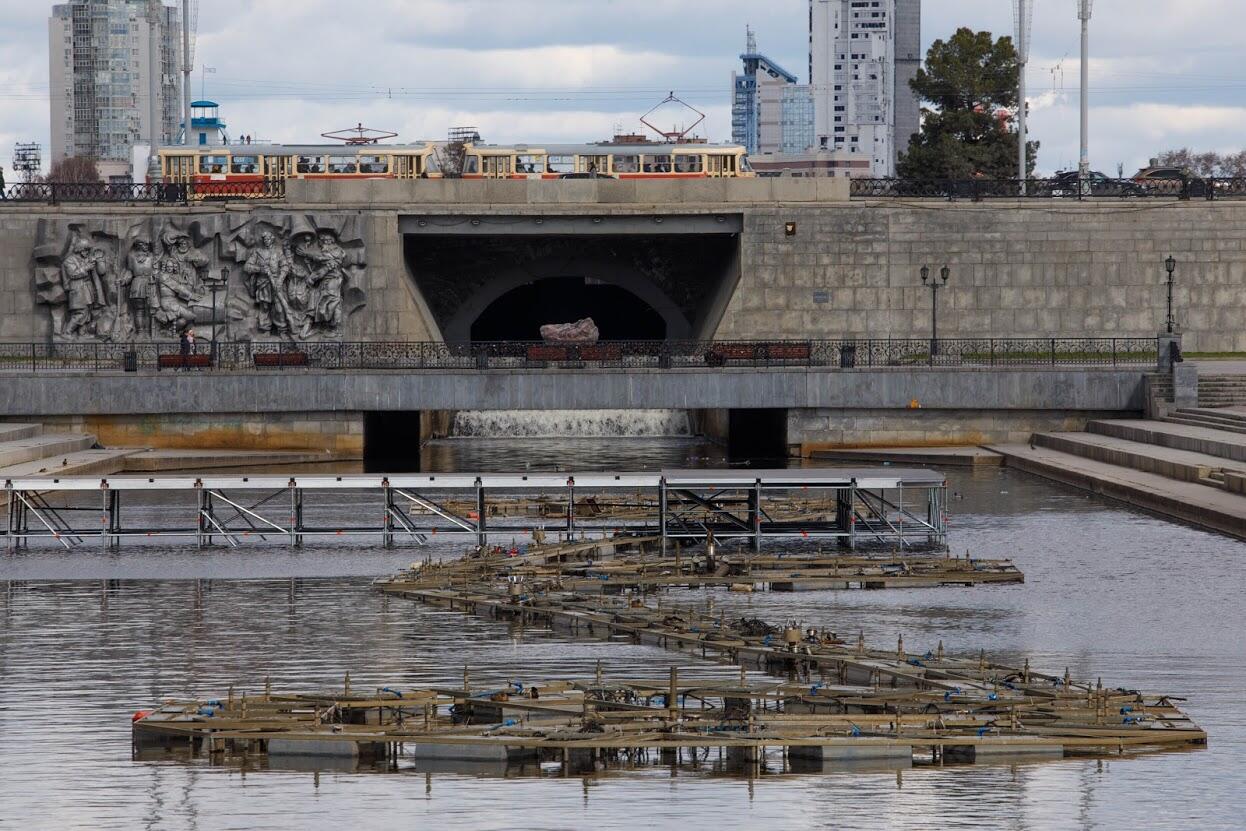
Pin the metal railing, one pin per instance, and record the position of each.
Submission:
(976, 190)
(847, 353)
(159, 193)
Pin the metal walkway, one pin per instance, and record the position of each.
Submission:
(891, 507)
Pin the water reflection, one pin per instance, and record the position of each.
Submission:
(88, 637)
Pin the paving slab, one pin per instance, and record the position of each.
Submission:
(1185, 465)
(1211, 508)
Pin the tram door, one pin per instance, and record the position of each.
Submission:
(714, 166)
(179, 168)
(404, 166)
(496, 167)
(277, 167)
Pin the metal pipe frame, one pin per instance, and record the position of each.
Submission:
(675, 505)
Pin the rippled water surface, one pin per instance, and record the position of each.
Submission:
(88, 637)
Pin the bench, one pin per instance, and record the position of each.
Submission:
(572, 352)
(183, 362)
(721, 353)
(280, 359)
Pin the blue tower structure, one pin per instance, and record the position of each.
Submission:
(746, 103)
(206, 127)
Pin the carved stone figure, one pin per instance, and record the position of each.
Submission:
(136, 285)
(291, 276)
(79, 279)
(268, 267)
(174, 296)
(328, 279)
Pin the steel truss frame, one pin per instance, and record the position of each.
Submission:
(679, 506)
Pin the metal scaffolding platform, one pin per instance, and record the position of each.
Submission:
(896, 508)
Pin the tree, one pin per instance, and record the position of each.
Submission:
(969, 91)
(74, 169)
(1204, 164)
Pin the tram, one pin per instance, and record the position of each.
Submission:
(234, 164)
(239, 168)
(624, 160)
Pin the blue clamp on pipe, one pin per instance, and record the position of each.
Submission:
(392, 691)
(992, 697)
(1126, 709)
(982, 731)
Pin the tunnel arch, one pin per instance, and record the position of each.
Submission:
(599, 270)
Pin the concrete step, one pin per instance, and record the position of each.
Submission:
(1229, 417)
(143, 460)
(16, 431)
(1222, 444)
(1181, 465)
(53, 446)
(1198, 421)
(1218, 510)
(80, 463)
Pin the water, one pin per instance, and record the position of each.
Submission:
(1141, 601)
(493, 424)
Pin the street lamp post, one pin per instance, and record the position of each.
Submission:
(1170, 265)
(934, 286)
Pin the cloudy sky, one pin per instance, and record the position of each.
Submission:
(1165, 73)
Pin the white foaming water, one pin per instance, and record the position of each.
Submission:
(533, 424)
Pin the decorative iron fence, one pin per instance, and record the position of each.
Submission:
(1060, 187)
(848, 353)
(159, 193)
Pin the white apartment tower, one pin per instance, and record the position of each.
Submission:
(862, 54)
(100, 57)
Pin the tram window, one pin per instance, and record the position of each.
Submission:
(627, 164)
(745, 165)
(529, 164)
(244, 164)
(594, 164)
(343, 164)
(562, 164)
(688, 164)
(431, 165)
(311, 164)
(213, 164)
(374, 164)
(657, 164)
(471, 164)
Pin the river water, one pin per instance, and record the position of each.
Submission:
(87, 638)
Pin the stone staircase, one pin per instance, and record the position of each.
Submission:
(1221, 390)
(26, 450)
(1190, 465)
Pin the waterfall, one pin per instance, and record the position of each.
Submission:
(496, 424)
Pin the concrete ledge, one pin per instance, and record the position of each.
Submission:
(940, 456)
(336, 392)
(481, 750)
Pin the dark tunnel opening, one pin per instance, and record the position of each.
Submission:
(520, 313)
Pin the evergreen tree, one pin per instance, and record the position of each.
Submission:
(969, 91)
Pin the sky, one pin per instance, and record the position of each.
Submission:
(1164, 73)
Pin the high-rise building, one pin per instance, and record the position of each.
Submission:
(101, 71)
(770, 112)
(862, 54)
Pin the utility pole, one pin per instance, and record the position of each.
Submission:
(1084, 8)
(1023, 10)
(188, 67)
(155, 69)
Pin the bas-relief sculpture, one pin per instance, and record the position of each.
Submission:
(287, 277)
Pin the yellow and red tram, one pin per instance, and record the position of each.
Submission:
(625, 160)
(232, 167)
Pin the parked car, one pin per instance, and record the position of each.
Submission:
(1171, 180)
(1067, 183)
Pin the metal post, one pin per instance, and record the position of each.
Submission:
(1084, 8)
(1022, 9)
(662, 512)
(1170, 265)
(155, 71)
(754, 514)
(482, 538)
(570, 509)
(387, 536)
(187, 68)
